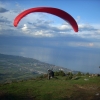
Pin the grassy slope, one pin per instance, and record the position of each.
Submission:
(54, 89)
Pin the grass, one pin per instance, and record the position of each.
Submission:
(54, 89)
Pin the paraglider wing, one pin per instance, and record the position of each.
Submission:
(55, 11)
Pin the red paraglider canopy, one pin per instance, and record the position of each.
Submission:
(55, 11)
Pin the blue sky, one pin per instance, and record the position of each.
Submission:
(49, 38)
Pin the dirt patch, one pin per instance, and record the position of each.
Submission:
(90, 92)
(87, 87)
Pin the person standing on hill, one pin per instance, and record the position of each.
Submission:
(50, 74)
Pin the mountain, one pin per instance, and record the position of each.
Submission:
(18, 67)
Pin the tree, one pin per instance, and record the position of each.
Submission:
(56, 73)
(69, 76)
(61, 73)
(79, 74)
(87, 74)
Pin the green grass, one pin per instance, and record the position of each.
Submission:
(54, 89)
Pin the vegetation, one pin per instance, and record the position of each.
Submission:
(17, 81)
(59, 73)
(79, 74)
(18, 68)
(57, 88)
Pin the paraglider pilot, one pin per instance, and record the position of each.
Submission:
(50, 74)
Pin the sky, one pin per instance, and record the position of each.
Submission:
(49, 38)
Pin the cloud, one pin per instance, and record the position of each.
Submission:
(86, 27)
(24, 28)
(81, 44)
(91, 44)
(47, 27)
(17, 5)
(43, 33)
(64, 27)
(78, 18)
(85, 30)
(42, 25)
(4, 20)
(2, 10)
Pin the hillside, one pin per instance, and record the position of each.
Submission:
(18, 81)
(55, 89)
(17, 68)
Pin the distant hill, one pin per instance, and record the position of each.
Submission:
(18, 67)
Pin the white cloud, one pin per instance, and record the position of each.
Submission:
(85, 26)
(64, 27)
(91, 44)
(24, 28)
(98, 31)
(41, 33)
(83, 44)
(78, 18)
(41, 25)
(48, 29)
(17, 5)
(35, 32)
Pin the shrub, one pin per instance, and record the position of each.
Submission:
(79, 74)
(56, 73)
(87, 74)
(61, 73)
(76, 78)
(69, 77)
